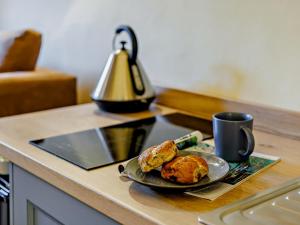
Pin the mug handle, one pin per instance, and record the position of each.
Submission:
(250, 142)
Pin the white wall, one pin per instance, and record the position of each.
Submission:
(246, 50)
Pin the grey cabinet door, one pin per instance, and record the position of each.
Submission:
(35, 202)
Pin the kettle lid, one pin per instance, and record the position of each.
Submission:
(123, 43)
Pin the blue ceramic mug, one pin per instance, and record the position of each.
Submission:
(233, 136)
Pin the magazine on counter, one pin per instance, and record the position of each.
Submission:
(238, 173)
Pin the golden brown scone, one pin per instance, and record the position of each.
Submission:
(185, 169)
(155, 156)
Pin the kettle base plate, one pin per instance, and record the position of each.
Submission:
(124, 106)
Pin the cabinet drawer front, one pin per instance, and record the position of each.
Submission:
(39, 203)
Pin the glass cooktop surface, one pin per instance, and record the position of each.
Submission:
(98, 147)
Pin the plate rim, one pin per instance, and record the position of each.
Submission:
(184, 186)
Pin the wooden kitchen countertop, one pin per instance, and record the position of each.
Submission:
(104, 190)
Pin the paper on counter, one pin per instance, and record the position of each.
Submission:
(258, 163)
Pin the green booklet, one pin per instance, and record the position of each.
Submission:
(238, 173)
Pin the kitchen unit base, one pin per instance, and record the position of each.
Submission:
(125, 201)
(39, 203)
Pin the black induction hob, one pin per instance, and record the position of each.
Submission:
(98, 147)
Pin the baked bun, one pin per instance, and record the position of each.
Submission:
(155, 156)
(185, 169)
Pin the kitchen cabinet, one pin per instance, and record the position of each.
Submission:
(39, 203)
(48, 190)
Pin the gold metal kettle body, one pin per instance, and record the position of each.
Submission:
(123, 85)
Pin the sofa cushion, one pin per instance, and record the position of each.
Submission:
(19, 50)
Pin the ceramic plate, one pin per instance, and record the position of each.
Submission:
(218, 168)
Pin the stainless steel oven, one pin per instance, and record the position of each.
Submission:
(4, 200)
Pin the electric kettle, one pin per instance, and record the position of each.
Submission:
(123, 85)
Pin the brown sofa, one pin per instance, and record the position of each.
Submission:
(28, 91)
(23, 88)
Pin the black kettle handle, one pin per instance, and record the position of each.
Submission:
(133, 39)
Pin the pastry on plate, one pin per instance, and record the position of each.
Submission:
(155, 156)
(185, 169)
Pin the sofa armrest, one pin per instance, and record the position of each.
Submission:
(23, 92)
